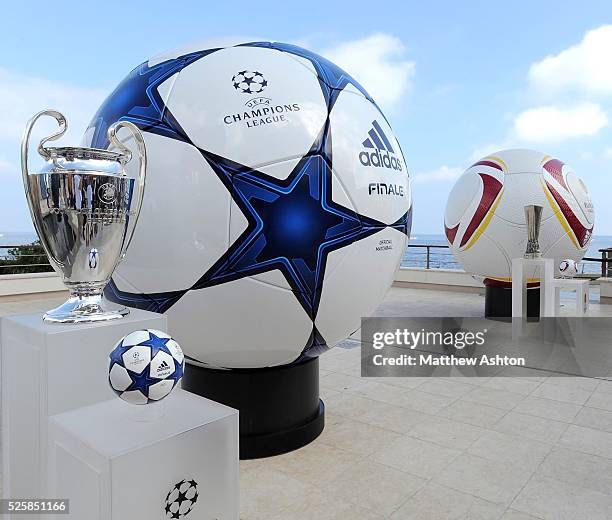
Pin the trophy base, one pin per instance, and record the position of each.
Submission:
(85, 309)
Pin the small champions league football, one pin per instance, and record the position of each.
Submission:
(145, 366)
(485, 221)
(277, 206)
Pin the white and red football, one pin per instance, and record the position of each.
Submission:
(484, 221)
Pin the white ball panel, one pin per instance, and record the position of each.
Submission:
(176, 350)
(136, 337)
(351, 121)
(137, 358)
(119, 378)
(247, 324)
(519, 191)
(175, 221)
(463, 198)
(162, 366)
(520, 160)
(161, 389)
(205, 89)
(492, 264)
(343, 300)
(581, 200)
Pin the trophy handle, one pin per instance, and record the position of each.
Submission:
(25, 142)
(142, 172)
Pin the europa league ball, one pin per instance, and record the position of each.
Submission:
(568, 268)
(145, 366)
(485, 220)
(277, 206)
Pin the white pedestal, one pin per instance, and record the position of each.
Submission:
(112, 465)
(542, 268)
(580, 289)
(49, 369)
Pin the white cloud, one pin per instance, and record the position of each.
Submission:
(378, 62)
(487, 149)
(443, 173)
(582, 67)
(22, 96)
(549, 124)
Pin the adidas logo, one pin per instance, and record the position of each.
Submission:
(163, 366)
(379, 153)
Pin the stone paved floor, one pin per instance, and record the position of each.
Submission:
(446, 448)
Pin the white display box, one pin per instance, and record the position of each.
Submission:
(112, 464)
(48, 369)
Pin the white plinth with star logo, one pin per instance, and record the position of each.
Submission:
(113, 464)
(49, 369)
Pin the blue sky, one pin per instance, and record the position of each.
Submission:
(457, 80)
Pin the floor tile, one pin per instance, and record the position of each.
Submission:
(510, 449)
(551, 499)
(420, 458)
(601, 400)
(531, 427)
(495, 481)
(421, 401)
(316, 464)
(391, 417)
(355, 436)
(594, 418)
(437, 502)
(572, 467)
(566, 394)
(259, 485)
(473, 413)
(587, 440)
(517, 515)
(517, 385)
(548, 408)
(323, 506)
(492, 397)
(445, 386)
(451, 434)
(376, 486)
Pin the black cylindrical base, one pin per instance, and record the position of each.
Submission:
(498, 302)
(280, 409)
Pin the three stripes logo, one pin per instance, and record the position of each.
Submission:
(163, 369)
(378, 150)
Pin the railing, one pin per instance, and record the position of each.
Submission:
(605, 260)
(427, 260)
(14, 261)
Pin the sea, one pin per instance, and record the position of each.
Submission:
(439, 258)
(443, 258)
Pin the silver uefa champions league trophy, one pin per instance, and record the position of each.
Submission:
(533, 217)
(80, 202)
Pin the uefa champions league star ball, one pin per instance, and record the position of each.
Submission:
(277, 205)
(568, 268)
(145, 366)
(485, 219)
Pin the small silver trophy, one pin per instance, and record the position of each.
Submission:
(533, 217)
(80, 202)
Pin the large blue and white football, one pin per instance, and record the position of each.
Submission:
(277, 205)
(145, 366)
